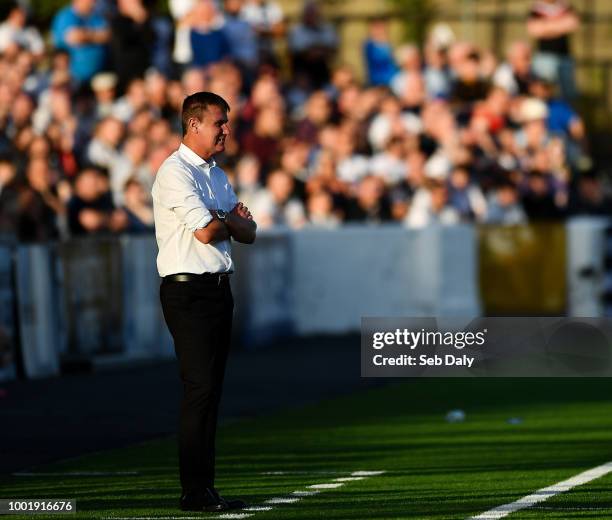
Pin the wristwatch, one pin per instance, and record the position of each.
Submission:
(221, 215)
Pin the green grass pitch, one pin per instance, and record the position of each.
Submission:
(433, 469)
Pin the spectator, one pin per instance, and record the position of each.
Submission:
(409, 59)
(515, 74)
(209, 42)
(378, 53)
(390, 122)
(562, 119)
(40, 148)
(242, 39)
(20, 115)
(550, 23)
(430, 205)
(248, 180)
(469, 86)
(352, 166)
(321, 211)
(323, 177)
(436, 73)
(132, 37)
(343, 76)
(156, 92)
(317, 115)
(466, 197)
(263, 140)
(589, 197)
(294, 160)
(56, 75)
(11, 200)
(390, 164)
(161, 55)
(47, 208)
(130, 164)
(414, 94)
(426, 149)
(103, 86)
(28, 207)
(102, 149)
(181, 13)
(504, 206)
(489, 118)
(276, 206)
(14, 32)
(84, 34)
(91, 209)
(369, 205)
(137, 207)
(312, 44)
(533, 134)
(133, 102)
(266, 17)
(539, 199)
(415, 173)
(159, 133)
(8, 172)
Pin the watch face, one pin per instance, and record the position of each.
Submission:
(221, 214)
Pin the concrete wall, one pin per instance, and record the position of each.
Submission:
(304, 283)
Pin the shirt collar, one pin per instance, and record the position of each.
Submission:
(190, 156)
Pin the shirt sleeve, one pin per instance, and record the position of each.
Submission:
(98, 22)
(233, 199)
(61, 23)
(177, 191)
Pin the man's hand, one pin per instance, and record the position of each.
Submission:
(215, 231)
(241, 225)
(242, 211)
(77, 36)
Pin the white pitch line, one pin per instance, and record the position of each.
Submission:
(305, 493)
(545, 493)
(282, 500)
(296, 496)
(300, 472)
(332, 485)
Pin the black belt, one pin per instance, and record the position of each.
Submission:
(191, 277)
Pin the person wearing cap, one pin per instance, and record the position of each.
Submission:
(104, 85)
(197, 214)
(533, 133)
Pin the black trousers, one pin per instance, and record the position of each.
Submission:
(199, 316)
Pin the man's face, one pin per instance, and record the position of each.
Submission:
(213, 130)
(84, 7)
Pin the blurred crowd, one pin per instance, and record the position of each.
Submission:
(447, 133)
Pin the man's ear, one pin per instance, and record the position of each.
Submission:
(194, 124)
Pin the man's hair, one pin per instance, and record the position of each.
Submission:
(194, 105)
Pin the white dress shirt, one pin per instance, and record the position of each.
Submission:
(185, 188)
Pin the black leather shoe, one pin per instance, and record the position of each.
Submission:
(231, 504)
(203, 501)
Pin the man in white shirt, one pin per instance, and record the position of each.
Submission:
(196, 216)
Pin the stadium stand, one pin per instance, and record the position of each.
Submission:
(447, 133)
